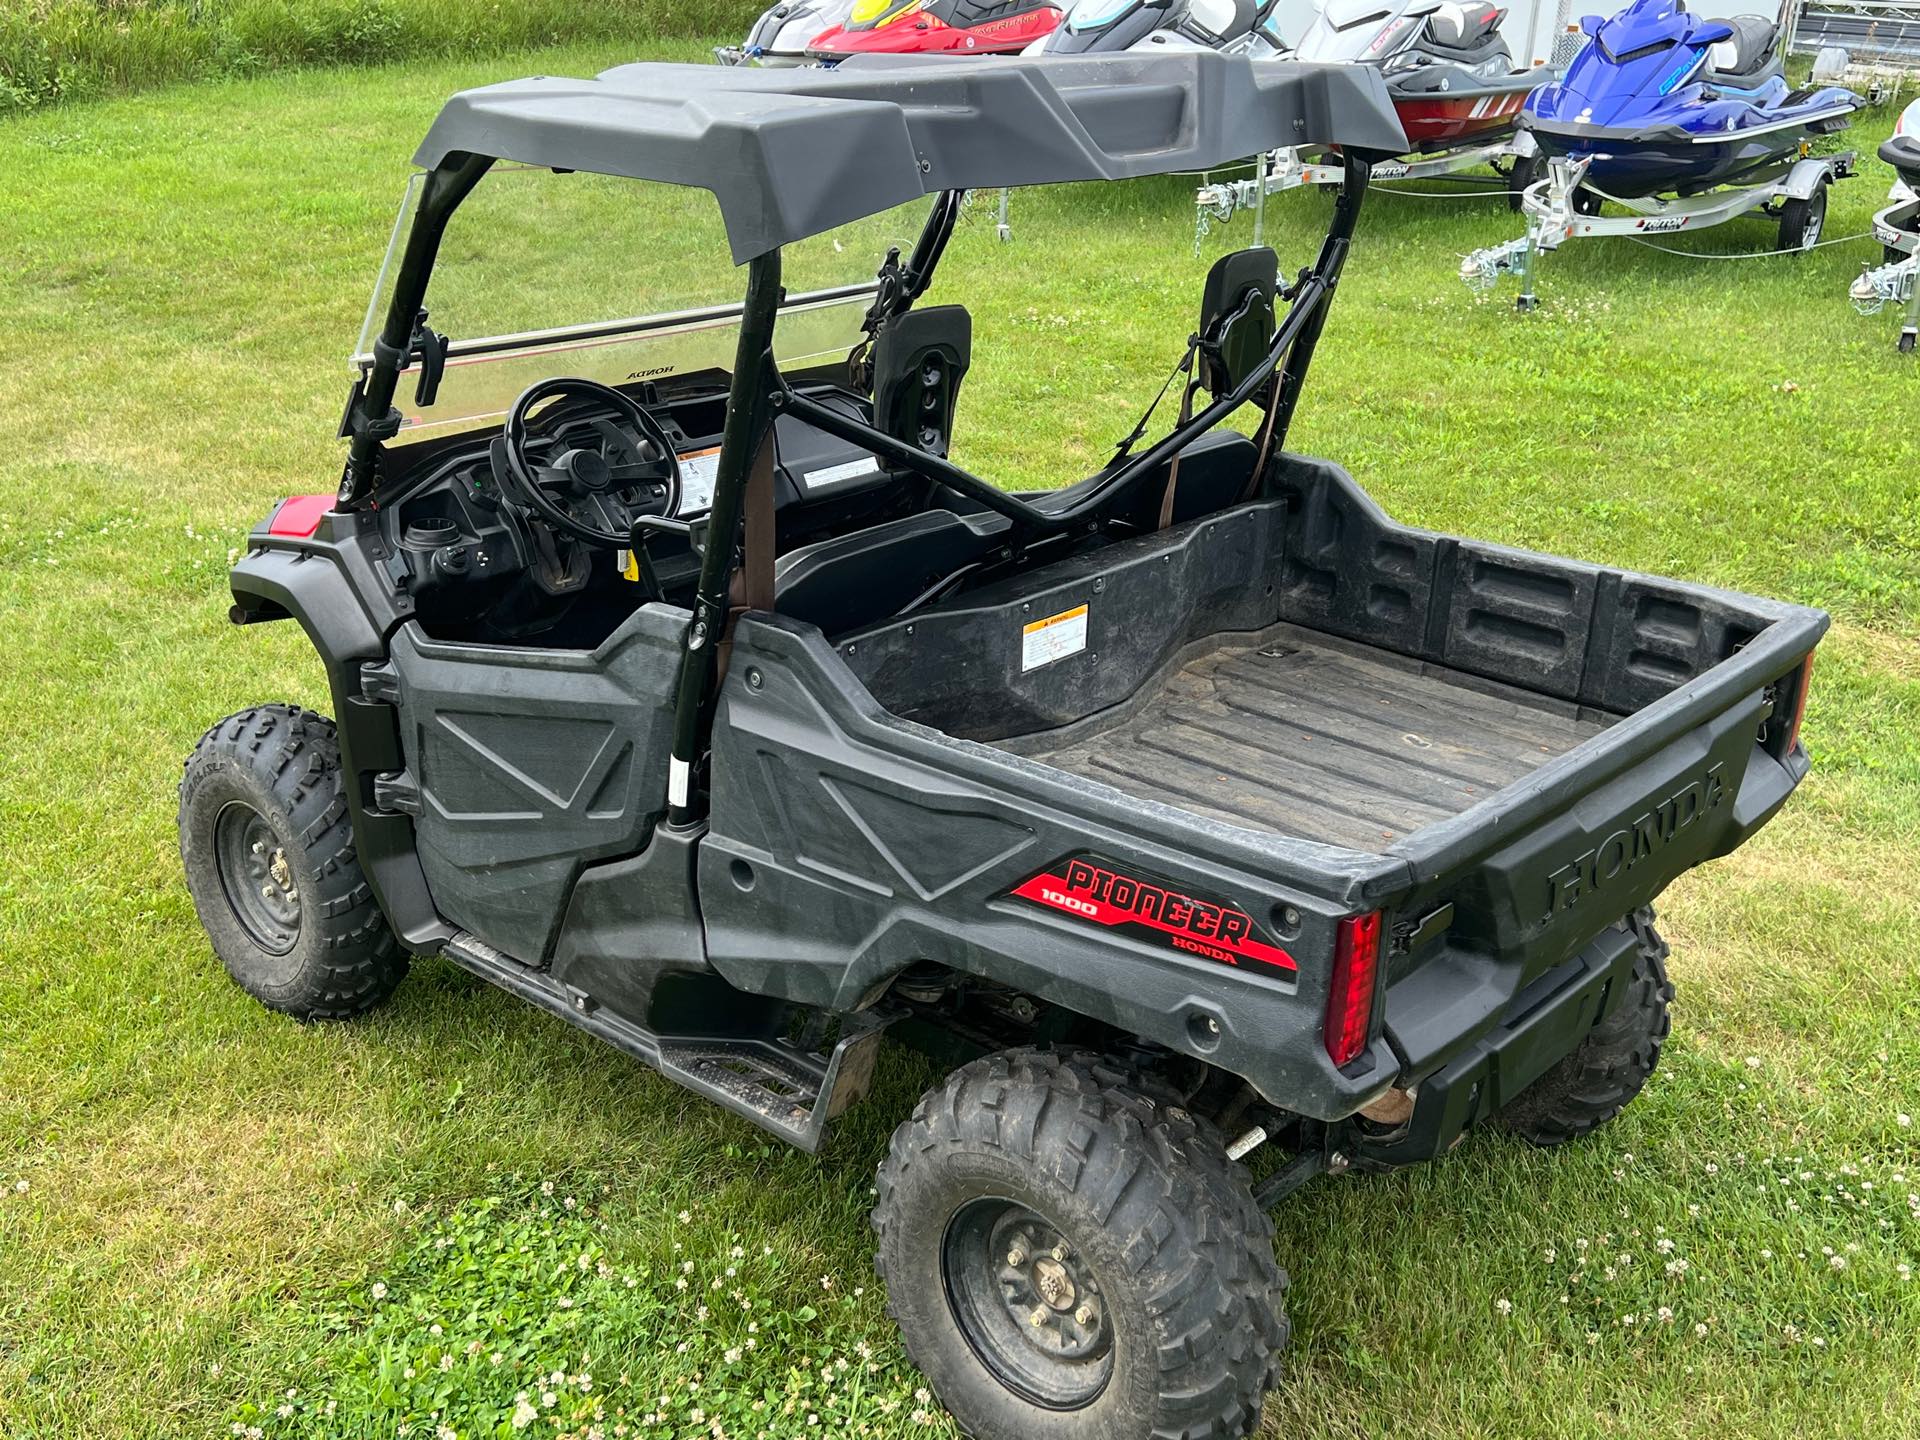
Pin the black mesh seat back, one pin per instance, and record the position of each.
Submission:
(1748, 57)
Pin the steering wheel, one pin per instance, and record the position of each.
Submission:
(589, 473)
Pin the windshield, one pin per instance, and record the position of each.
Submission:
(1362, 30)
(542, 274)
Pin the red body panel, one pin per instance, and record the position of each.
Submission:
(299, 515)
(1433, 122)
(925, 34)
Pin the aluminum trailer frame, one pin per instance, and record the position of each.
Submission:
(1554, 217)
(1218, 201)
(1891, 282)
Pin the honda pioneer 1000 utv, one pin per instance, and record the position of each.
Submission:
(685, 687)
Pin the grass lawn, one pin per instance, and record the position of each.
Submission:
(209, 1213)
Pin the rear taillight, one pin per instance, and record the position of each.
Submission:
(1356, 959)
(1801, 689)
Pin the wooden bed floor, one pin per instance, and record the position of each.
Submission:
(1315, 738)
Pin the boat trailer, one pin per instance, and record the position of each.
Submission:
(1897, 228)
(1218, 201)
(1563, 207)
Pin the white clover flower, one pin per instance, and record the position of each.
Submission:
(732, 1355)
(285, 1411)
(1903, 1120)
(435, 1330)
(1503, 1305)
(548, 1399)
(20, 1187)
(446, 1362)
(1665, 1313)
(523, 1413)
(379, 1290)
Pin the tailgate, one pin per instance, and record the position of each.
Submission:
(1521, 882)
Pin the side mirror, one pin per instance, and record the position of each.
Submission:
(1711, 33)
(1590, 24)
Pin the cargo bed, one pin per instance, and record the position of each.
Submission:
(1304, 734)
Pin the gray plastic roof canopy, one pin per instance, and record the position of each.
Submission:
(791, 153)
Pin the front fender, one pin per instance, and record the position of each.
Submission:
(332, 584)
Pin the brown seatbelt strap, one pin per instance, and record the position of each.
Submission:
(1173, 469)
(1259, 475)
(752, 585)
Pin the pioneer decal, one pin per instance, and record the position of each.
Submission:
(1154, 910)
(1592, 871)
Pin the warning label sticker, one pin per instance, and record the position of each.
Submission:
(1054, 638)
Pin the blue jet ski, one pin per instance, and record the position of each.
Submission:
(1666, 103)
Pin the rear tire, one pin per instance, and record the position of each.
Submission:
(1067, 1257)
(1612, 1065)
(1801, 221)
(268, 848)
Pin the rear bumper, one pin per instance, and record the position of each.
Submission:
(1546, 1020)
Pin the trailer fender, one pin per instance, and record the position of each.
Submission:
(1804, 180)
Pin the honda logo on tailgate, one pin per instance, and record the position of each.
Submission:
(1659, 826)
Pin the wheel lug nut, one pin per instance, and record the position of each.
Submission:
(1060, 1253)
(259, 847)
(1038, 1317)
(267, 890)
(1084, 1315)
(1016, 1257)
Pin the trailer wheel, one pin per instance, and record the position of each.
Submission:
(1801, 221)
(1612, 1065)
(1068, 1257)
(268, 849)
(1524, 171)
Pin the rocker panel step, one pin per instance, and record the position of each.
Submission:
(789, 1091)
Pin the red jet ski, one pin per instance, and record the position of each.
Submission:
(1451, 76)
(937, 27)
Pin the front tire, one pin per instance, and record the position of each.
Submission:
(1613, 1064)
(1067, 1257)
(267, 844)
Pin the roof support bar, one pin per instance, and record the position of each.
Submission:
(1333, 256)
(371, 417)
(748, 415)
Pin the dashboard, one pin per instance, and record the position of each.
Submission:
(482, 560)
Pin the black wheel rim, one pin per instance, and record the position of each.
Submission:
(1028, 1303)
(257, 878)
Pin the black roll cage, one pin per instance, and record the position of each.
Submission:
(758, 392)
